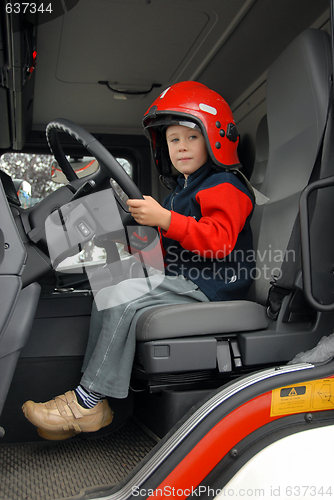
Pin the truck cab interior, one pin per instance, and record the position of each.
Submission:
(76, 82)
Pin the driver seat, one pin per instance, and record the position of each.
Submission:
(234, 334)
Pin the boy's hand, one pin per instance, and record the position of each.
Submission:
(148, 212)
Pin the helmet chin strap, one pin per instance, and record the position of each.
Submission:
(166, 177)
(168, 182)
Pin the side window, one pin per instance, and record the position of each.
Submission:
(30, 174)
(36, 176)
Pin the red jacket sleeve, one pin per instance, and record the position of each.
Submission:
(224, 211)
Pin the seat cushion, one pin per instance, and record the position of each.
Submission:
(205, 318)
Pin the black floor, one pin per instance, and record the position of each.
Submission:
(59, 470)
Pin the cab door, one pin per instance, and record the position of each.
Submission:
(17, 305)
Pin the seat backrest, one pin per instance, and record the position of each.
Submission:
(298, 94)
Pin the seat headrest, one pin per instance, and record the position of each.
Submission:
(298, 86)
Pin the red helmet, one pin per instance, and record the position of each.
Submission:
(193, 102)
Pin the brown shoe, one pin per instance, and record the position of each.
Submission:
(63, 417)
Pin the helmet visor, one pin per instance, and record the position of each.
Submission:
(166, 121)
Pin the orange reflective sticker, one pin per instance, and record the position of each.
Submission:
(315, 395)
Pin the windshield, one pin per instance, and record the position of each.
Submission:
(33, 175)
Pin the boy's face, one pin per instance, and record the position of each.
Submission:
(187, 148)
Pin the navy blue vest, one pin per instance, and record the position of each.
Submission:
(220, 278)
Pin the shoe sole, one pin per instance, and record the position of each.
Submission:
(61, 435)
(56, 436)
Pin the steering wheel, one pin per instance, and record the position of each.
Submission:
(109, 166)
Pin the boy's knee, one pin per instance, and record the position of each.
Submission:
(128, 291)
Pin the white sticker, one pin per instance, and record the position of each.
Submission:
(208, 109)
(164, 93)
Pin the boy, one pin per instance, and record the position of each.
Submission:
(205, 235)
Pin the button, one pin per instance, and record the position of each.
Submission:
(218, 145)
(218, 124)
(161, 351)
(83, 229)
(231, 132)
(222, 133)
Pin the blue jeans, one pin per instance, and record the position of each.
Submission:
(112, 338)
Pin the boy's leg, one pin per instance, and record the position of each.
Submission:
(110, 297)
(108, 367)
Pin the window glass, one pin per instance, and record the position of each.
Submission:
(33, 178)
(36, 170)
(129, 170)
(29, 169)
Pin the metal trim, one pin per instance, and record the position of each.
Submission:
(174, 441)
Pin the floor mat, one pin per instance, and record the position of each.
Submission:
(45, 471)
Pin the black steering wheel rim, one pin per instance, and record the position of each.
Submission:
(109, 166)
